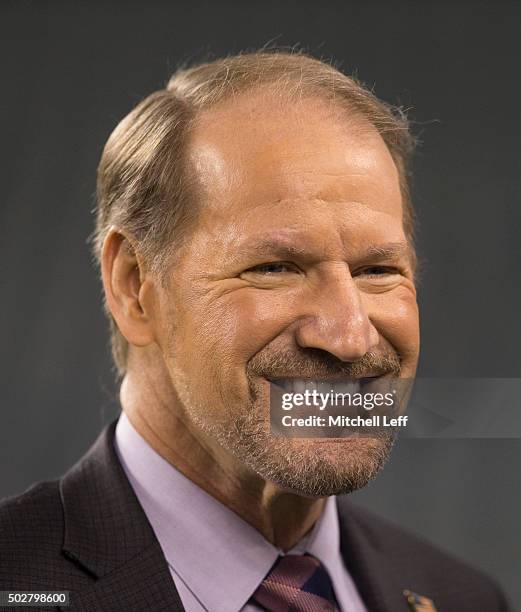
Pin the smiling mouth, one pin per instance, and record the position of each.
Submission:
(338, 385)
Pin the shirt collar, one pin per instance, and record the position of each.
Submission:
(220, 557)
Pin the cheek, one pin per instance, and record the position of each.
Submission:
(223, 332)
(217, 336)
(395, 316)
(250, 319)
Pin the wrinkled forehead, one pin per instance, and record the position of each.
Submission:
(256, 150)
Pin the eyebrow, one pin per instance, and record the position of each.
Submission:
(280, 248)
(389, 251)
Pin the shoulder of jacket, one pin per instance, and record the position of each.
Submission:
(404, 548)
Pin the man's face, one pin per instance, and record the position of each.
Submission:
(298, 267)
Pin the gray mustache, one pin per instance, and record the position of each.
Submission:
(315, 363)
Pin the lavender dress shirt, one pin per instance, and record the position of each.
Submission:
(216, 559)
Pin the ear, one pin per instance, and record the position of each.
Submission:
(128, 290)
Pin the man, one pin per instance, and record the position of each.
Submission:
(254, 224)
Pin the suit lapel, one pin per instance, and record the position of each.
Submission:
(369, 566)
(143, 583)
(108, 535)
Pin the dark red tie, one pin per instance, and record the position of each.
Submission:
(296, 583)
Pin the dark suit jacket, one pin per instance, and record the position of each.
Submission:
(87, 534)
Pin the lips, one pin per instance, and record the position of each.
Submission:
(345, 385)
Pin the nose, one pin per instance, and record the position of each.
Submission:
(336, 320)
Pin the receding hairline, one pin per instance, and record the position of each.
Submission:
(254, 102)
(265, 105)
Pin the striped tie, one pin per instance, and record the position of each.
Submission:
(296, 583)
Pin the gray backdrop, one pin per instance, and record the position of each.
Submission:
(70, 70)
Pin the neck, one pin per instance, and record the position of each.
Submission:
(153, 408)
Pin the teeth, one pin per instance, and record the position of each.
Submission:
(301, 385)
(352, 386)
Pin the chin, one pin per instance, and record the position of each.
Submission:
(320, 468)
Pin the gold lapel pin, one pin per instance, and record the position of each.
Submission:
(419, 603)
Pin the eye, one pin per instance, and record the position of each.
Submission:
(377, 271)
(273, 268)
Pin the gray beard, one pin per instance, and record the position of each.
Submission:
(310, 467)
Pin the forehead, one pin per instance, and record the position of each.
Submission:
(266, 159)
